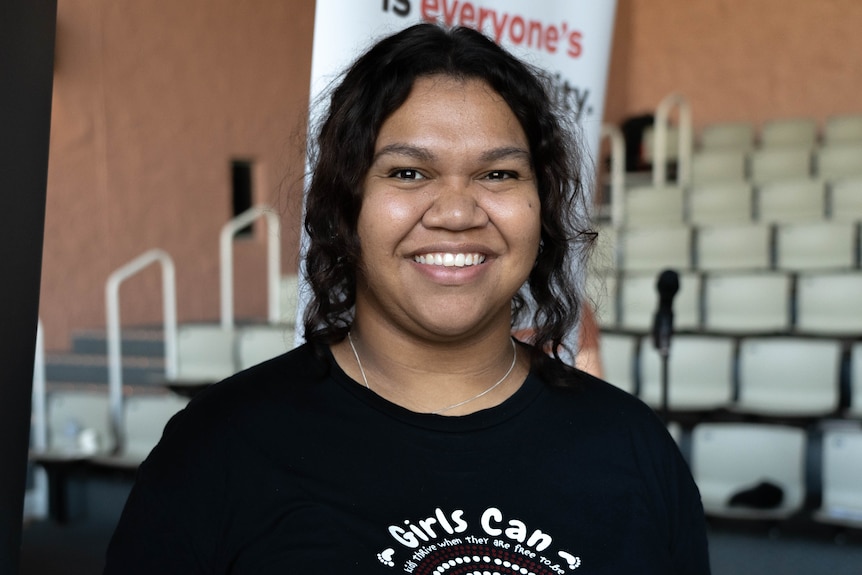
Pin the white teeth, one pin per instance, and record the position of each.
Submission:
(449, 260)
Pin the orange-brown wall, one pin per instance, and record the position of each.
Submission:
(746, 60)
(154, 98)
(152, 101)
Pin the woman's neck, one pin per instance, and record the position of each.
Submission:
(453, 376)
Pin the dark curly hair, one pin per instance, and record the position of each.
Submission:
(376, 85)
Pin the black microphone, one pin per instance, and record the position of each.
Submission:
(667, 286)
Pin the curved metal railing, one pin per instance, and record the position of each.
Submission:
(169, 312)
(618, 172)
(662, 116)
(229, 230)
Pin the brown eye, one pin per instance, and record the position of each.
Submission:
(406, 174)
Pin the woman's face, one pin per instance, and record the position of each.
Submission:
(449, 226)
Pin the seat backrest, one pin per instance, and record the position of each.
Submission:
(770, 164)
(839, 161)
(733, 247)
(78, 421)
(205, 353)
(145, 420)
(604, 255)
(800, 199)
(845, 200)
(718, 166)
(700, 373)
(289, 294)
(789, 376)
(842, 129)
(258, 343)
(842, 475)
(727, 136)
(672, 146)
(829, 303)
(728, 458)
(791, 132)
(650, 249)
(619, 359)
(639, 300)
(601, 292)
(721, 202)
(817, 245)
(855, 407)
(654, 205)
(747, 302)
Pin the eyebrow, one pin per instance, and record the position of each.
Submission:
(414, 152)
(424, 154)
(504, 153)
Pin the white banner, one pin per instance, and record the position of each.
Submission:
(570, 39)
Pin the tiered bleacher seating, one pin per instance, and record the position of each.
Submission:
(701, 369)
(636, 295)
(776, 164)
(791, 200)
(841, 470)
(620, 352)
(845, 199)
(765, 376)
(81, 434)
(749, 470)
(720, 202)
(145, 417)
(789, 376)
(728, 136)
(733, 247)
(830, 303)
(817, 245)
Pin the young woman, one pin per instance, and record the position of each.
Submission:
(412, 433)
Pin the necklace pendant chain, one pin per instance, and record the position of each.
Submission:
(454, 405)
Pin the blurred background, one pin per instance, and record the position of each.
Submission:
(732, 154)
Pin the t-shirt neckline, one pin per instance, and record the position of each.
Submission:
(484, 418)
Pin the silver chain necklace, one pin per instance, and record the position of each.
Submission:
(454, 405)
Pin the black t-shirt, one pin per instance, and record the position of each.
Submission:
(292, 467)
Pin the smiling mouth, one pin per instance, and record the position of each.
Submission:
(450, 260)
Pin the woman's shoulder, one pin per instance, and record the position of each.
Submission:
(257, 392)
(575, 391)
(281, 374)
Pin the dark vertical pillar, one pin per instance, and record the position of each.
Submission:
(27, 29)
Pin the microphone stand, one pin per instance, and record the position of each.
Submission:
(667, 286)
(663, 337)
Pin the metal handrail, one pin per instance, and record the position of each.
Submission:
(169, 312)
(662, 115)
(40, 410)
(618, 172)
(273, 267)
(36, 498)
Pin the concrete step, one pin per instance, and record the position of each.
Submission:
(88, 368)
(136, 342)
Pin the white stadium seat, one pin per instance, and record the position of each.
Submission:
(619, 359)
(733, 247)
(700, 373)
(817, 245)
(651, 249)
(747, 302)
(791, 200)
(639, 300)
(842, 477)
(789, 376)
(829, 303)
(732, 459)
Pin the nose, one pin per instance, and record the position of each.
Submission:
(455, 207)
